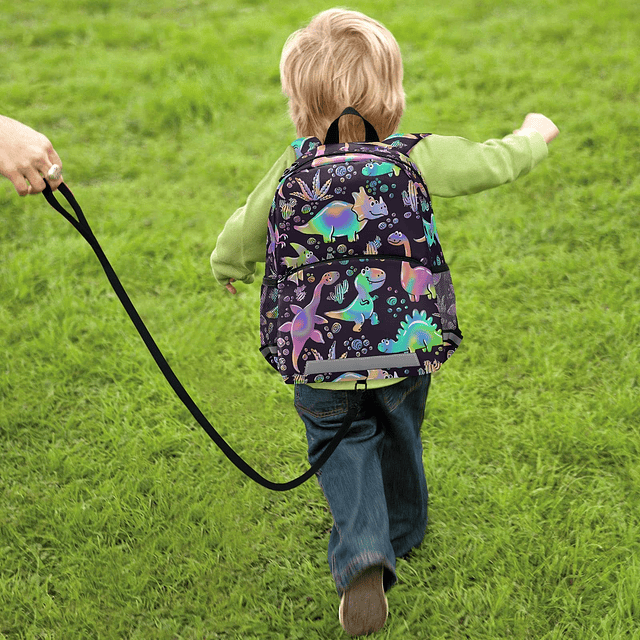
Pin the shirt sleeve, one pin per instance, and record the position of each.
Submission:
(243, 239)
(454, 166)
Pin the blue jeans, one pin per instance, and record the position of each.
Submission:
(374, 481)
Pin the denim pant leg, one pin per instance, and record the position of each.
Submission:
(351, 481)
(374, 481)
(400, 413)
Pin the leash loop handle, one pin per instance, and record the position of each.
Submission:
(81, 224)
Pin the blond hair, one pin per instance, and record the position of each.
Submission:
(343, 59)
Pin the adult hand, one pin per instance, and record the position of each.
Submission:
(26, 157)
(230, 288)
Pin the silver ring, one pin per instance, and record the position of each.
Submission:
(54, 172)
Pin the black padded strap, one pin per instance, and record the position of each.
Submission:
(333, 132)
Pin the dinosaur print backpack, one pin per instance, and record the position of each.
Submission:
(356, 285)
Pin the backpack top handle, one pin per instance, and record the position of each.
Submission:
(333, 133)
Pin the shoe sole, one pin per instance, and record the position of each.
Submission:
(364, 606)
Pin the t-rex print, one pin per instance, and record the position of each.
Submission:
(361, 308)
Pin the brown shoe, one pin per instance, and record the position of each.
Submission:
(364, 607)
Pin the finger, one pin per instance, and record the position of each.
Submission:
(35, 180)
(22, 187)
(54, 185)
(53, 156)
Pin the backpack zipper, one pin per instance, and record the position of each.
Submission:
(395, 160)
(270, 281)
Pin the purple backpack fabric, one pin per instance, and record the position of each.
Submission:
(356, 285)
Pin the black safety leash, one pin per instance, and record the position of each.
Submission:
(82, 227)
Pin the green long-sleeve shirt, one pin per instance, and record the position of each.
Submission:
(451, 166)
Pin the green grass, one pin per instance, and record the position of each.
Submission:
(120, 519)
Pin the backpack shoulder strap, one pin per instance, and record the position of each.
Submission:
(404, 142)
(303, 146)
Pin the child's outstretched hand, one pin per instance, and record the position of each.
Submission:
(541, 124)
(229, 287)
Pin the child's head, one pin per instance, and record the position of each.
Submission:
(343, 59)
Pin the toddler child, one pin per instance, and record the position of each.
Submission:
(374, 482)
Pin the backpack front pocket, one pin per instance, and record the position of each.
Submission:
(370, 312)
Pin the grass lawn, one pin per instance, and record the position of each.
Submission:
(120, 519)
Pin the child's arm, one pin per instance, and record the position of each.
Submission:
(454, 166)
(242, 242)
